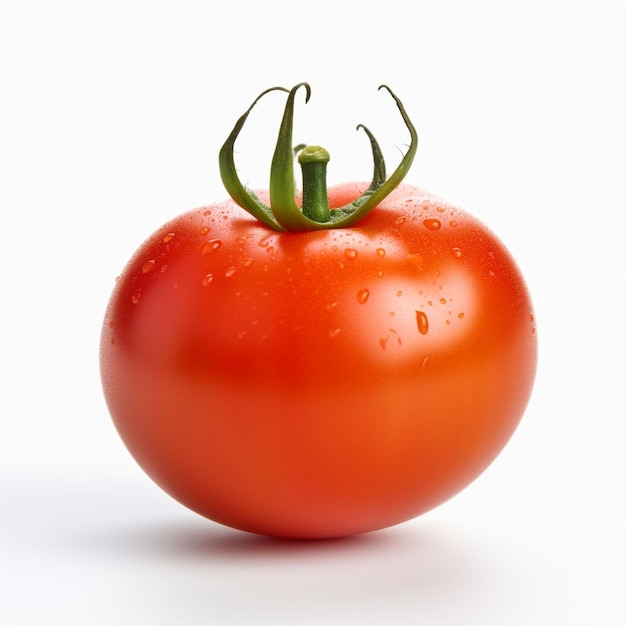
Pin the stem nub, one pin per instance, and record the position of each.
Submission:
(313, 161)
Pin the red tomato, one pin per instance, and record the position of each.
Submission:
(319, 383)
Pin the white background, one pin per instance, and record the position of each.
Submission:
(111, 117)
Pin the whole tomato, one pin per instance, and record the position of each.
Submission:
(313, 383)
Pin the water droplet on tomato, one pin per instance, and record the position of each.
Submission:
(400, 220)
(457, 253)
(422, 322)
(362, 296)
(442, 300)
(417, 259)
(453, 223)
(380, 252)
(136, 297)
(230, 271)
(210, 246)
(248, 262)
(168, 237)
(148, 266)
(384, 341)
(333, 333)
(432, 224)
(350, 253)
(206, 281)
(205, 230)
(331, 306)
(461, 315)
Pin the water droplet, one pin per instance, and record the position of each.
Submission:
(335, 332)
(168, 237)
(453, 223)
(230, 271)
(417, 259)
(148, 266)
(350, 253)
(383, 341)
(442, 300)
(331, 306)
(207, 280)
(440, 209)
(205, 230)
(432, 224)
(263, 243)
(422, 322)
(210, 246)
(136, 297)
(248, 262)
(461, 315)
(207, 212)
(362, 296)
(400, 220)
(380, 251)
(457, 252)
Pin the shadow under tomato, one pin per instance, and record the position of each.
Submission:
(203, 539)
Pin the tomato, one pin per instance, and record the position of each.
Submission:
(319, 383)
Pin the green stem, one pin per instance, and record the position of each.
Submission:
(283, 214)
(313, 161)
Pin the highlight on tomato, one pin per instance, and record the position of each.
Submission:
(322, 363)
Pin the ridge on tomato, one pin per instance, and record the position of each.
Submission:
(318, 368)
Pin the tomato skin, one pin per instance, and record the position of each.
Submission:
(320, 383)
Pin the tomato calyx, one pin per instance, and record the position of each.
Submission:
(283, 214)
